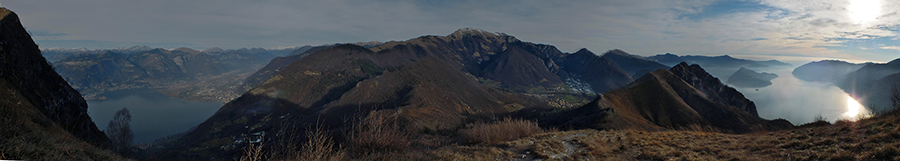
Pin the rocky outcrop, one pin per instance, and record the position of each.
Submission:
(695, 76)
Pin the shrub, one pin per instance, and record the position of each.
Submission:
(318, 145)
(379, 132)
(505, 130)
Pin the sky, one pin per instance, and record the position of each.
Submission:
(788, 30)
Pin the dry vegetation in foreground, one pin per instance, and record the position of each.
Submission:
(26, 134)
(870, 139)
(504, 130)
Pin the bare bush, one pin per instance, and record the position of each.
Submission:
(318, 145)
(505, 130)
(254, 151)
(820, 118)
(379, 132)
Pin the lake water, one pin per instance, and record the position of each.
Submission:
(800, 101)
(153, 115)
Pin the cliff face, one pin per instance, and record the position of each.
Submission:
(27, 73)
(712, 86)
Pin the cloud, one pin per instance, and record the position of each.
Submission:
(806, 28)
(890, 47)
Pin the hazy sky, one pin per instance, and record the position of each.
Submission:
(855, 30)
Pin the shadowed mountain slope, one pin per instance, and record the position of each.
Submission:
(42, 117)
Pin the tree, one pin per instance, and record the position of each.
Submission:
(119, 131)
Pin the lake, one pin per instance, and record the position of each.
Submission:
(800, 101)
(153, 115)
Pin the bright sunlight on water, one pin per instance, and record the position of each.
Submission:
(855, 110)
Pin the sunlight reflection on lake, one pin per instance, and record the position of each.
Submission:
(800, 101)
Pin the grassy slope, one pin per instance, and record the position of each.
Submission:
(28, 134)
(869, 139)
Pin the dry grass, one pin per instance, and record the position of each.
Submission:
(869, 139)
(504, 130)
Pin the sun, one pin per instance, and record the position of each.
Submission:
(864, 11)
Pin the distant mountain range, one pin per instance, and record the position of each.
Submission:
(714, 61)
(441, 83)
(825, 70)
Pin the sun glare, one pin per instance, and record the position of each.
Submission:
(853, 108)
(864, 11)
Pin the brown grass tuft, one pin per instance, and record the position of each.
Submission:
(505, 130)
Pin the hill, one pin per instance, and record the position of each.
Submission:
(825, 70)
(43, 118)
(684, 98)
(751, 79)
(431, 86)
(871, 84)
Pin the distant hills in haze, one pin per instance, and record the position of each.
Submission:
(714, 61)
(869, 83)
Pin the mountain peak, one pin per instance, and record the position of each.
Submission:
(463, 32)
(583, 50)
(894, 62)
